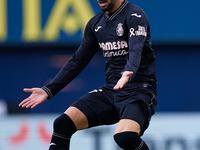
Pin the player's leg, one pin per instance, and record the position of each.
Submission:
(65, 126)
(79, 119)
(131, 126)
(93, 109)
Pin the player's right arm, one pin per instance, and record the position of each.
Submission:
(69, 71)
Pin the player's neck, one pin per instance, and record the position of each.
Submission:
(117, 5)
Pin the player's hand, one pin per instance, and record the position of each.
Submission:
(38, 96)
(123, 80)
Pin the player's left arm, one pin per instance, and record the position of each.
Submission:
(138, 27)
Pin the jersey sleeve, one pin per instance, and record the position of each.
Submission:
(138, 27)
(75, 65)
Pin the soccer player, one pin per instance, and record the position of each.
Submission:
(122, 32)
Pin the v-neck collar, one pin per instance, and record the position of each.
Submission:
(113, 15)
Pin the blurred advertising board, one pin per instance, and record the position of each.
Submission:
(167, 131)
(63, 21)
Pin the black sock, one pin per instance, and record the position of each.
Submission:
(130, 141)
(64, 127)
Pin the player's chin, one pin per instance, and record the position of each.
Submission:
(103, 4)
(103, 9)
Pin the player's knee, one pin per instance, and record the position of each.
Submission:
(122, 139)
(130, 141)
(64, 125)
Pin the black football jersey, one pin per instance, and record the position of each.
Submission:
(123, 37)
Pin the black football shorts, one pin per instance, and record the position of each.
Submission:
(105, 106)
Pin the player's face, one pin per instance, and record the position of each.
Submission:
(107, 5)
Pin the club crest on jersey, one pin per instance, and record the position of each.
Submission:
(120, 30)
